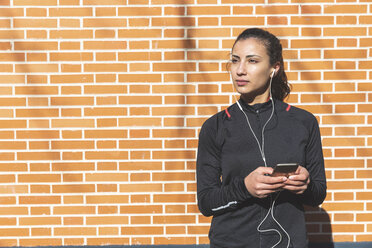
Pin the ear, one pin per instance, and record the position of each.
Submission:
(228, 67)
(275, 69)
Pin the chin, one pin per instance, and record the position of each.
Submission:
(244, 91)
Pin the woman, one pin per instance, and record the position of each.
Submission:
(239, 147)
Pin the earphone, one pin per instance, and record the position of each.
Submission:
(272, 75)
(261, 148)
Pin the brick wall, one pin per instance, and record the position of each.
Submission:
(102, 100)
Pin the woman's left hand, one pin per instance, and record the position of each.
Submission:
(298, 182)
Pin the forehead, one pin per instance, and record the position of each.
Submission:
(250, 46)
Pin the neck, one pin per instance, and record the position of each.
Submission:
(251, 100)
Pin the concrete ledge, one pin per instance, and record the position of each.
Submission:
(341, 245)
(311, 245)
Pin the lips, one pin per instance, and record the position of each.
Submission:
(241, 82)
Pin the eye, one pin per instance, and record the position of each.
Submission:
(234, 61)
(252, 61)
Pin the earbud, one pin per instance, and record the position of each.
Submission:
(271, 79)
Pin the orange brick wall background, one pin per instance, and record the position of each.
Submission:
(102, 100)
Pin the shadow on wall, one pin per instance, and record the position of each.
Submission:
(319, 229)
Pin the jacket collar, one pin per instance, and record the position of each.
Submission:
(258, 106)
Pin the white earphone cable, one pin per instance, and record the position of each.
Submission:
(261, 148)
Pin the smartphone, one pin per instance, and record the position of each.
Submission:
(285, 169)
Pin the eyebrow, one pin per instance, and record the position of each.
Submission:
(248, 56)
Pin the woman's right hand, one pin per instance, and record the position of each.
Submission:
(260, 185)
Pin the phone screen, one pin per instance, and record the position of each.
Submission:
(286, 169)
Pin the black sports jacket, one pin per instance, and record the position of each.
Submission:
(228, 152)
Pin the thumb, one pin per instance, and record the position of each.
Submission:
(264, 170)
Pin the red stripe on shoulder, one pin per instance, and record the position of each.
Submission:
(228, 114)
(288, 108)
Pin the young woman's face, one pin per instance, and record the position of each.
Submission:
(251, 70)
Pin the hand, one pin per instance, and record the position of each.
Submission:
(298, 182)
(259, 185)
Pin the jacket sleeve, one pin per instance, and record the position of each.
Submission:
(213, 197)
(317, 188)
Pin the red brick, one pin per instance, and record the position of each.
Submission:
(208, 32)
(75, 11)
(141, 209)
(7, 200)
(141, 187)
(172, 2)
(312, 20)
(339, 8)
(109, 155)
(104, 2)
(342, 119)
(175, 209)
(175, 240)
(41, 232)
(107, 241)
(344, 163)
(107, 199)
(106, 177)
(277, 9)
(312, 43)
(168, 198)
(65, 166)
(198, 230)
(112, 67)
(142, 230)
(75, 231)
(34, 3)
(140, 220)
(8, 221)
(39, 156)
(6, 156)
(14, 232)
(174, 219)
(35, 23)
(208, 10)
(139, 33)
(13, 210)
(79, 78)
(173, 176)
(35, 178)
(107, 220)
(105, 45)
(69, 210)
(207, 77)
(27, 221)
(74, 241)
(69, 123)
(338, 31)
(345, 184)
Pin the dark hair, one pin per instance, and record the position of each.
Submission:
(280, 87)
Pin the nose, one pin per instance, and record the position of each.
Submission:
(241, 70)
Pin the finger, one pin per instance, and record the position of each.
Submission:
(300, 177)
(295, 183)
(265, 193)
(264, 170)
(302, 171)
(264, 186)
(295, 188)
(273, 180)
